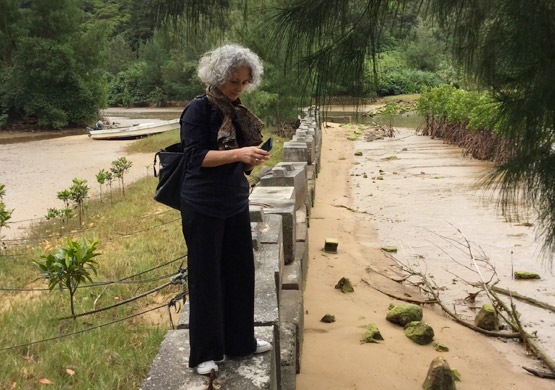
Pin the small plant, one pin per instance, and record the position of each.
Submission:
(119, 168)
(101, 178)
(79, 191)
(110, 178)
(76, 194)
(69, 266)
(5, 214)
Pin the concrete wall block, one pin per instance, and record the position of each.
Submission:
(263, 196)
(302, 225)
(311, 182)
(288, 175)
(308, 140)
(292, 276)
(288, 355)
(301, 256)
(266, 310)
(292, 311)
(296, 151)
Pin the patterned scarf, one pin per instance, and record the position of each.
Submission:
(251, 125)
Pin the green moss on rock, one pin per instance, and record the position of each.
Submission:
(371, 335)
(419, 332)
(524, 275)
(440, 347)
(403, 314)
(345, 286)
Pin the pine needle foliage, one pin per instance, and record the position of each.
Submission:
(508, 46)
(333, 39)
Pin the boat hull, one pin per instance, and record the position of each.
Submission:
(137, 131)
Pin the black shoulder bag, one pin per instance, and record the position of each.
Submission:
(170, 175)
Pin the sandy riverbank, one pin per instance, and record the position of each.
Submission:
(363, 214)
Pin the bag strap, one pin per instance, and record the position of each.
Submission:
(154, 164)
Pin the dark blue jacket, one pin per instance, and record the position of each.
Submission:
(221, 191)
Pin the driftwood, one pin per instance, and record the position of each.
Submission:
(547, 375)
(399, 298)
(524, 298)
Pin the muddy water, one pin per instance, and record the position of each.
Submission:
(419, 192)
(33, 171)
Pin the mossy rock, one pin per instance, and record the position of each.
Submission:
(358, 153)
(440, 347)
(419, 332)
(403, 314)
(440, 376)
(487, 318)
(390, 248)
(371, 335)
(328, 318)
(525, 275)
(345, 286)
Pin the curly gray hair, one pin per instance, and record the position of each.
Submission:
(217, 66)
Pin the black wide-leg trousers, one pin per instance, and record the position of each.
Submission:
(221, 285)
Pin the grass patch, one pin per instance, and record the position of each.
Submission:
(135, 234)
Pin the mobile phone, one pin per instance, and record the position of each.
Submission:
(267, 146)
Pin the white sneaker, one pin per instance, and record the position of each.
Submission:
(206, 368)
(262, 346)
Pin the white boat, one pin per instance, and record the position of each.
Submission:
(136, 131)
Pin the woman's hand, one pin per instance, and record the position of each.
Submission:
(251, 156)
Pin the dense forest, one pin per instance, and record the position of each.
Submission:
(64, 60)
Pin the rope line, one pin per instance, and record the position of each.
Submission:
(117, 304)
(180, 278)
(80, 331)
(110, 282)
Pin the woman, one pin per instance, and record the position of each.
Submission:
(220, 137)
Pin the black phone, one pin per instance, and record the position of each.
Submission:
(267, 146)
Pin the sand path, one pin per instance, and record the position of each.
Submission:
(363, 214)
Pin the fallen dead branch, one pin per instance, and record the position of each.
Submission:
(524, 298)
(547, 375)
(488, 278)
(350, 209)
(400, 298)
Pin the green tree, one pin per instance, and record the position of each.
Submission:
(69, 267)
(54, 71)
(507, 45)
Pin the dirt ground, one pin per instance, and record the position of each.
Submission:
(355, 207)
(363, 213)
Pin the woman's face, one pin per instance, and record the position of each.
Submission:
(235, 85)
